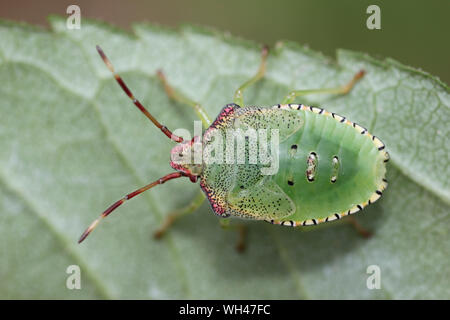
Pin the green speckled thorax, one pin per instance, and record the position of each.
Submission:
(329, 167)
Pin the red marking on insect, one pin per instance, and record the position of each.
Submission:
(180, 150)
(218, 209)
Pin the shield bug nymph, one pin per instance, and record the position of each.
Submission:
(327, 166)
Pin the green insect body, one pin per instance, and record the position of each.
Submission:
(325, 166)
(329, 167)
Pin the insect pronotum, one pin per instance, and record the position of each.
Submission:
(327, 167)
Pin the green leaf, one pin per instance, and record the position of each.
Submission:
(71, 143)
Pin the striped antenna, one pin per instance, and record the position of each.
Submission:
(116, 204)
(122, 84)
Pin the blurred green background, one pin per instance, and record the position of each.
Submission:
(413, 32)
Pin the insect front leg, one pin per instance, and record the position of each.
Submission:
(240, 228)
(174, 216)
(239, 94)
(179, 97)
(339, 90)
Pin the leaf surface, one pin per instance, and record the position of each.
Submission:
(71, 143)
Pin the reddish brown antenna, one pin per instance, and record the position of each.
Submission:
(116, 204)
(122, 84)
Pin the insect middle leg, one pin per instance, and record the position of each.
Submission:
(239, 94)
(338, 90)
(240, 228)
(178, 96)
(174, 216)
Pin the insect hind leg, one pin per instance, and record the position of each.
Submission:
(338, 90)
(363, 232)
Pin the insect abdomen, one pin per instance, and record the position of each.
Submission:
(330, 166)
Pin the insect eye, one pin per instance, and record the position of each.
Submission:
(180, 155)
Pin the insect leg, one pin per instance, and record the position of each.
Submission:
(358, 227)
(240, 228)
(177, 96)
(239, 94)
(339, 90)
(177, 214)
